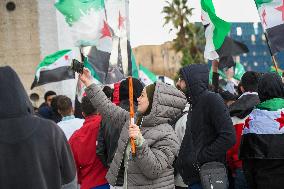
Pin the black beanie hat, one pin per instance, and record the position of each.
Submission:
(150, 89)
(124, 89)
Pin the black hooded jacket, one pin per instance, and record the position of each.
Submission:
(34, 152)
(210, 132)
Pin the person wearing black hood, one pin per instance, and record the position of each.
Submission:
(209, 133)
(34, 152)
(262, 141)
(109, 134)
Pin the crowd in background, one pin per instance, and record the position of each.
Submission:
(176, 131)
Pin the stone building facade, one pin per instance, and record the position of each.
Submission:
(160, 59)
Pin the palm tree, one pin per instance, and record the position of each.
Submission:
(190, 37)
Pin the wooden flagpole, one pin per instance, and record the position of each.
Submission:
(131, 112)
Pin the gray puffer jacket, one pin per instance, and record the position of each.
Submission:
(152, 166)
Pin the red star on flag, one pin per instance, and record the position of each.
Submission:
(280, 120)
(105, 31)
(264, 17)
(247, 122)
(281, 9)
(66, 57)
(120, 21)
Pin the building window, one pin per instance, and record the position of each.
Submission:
(10, 6)
(239, 31)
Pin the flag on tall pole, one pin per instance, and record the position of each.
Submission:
(271, 13)
(218, 44)
(53, 68)
(104, 26)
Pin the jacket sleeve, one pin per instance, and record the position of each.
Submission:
(215, 82)
(114, 115)
(220, 119)
(153, 160)
(101, 147)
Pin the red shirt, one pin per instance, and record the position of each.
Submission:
(90, 170)
(233, 154)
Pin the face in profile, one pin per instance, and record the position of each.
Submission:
(143, 102)
(49, 99)
(181, 85)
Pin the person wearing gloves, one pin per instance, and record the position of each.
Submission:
(156, 142)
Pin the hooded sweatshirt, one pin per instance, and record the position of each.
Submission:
(210, 131)
(34, 152)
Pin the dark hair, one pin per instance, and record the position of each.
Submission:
(87, 106)
(64, 105)
(108, 91)
(250, 81)
(47, 94)
(270, 86)
(124, 89)
(54, 102)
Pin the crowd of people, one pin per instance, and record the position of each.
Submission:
(176, 132)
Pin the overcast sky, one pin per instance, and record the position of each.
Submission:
(146, 20)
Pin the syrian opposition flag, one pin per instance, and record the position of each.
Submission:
(271, 13)
(218, 44)
(263, 133)
(87, 21)
(146, 76)
(54, 68)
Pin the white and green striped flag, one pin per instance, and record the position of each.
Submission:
(271, 13)
(146, 76)
(54, 68)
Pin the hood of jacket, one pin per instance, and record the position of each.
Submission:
(244, 105)
(16, 110)
(196, 77)
(14, 101)
(168, 105)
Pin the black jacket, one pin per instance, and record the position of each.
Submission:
(211, 131)
(107, 142)
(34, 152)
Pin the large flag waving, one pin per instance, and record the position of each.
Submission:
(54, 68)
(218, 44)
(87, 21)
(271, 13)
(104, 26)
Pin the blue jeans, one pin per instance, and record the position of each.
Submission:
(195, 186)
(105, 186)
(240, 180)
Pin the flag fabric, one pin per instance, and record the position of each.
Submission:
(87, 21)
(239, 70)
(263, 131)
(218, 44)
(271, 13)
(53, 68)
(146, 76)
(273, 69)
(109, 73)
(103, 25)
